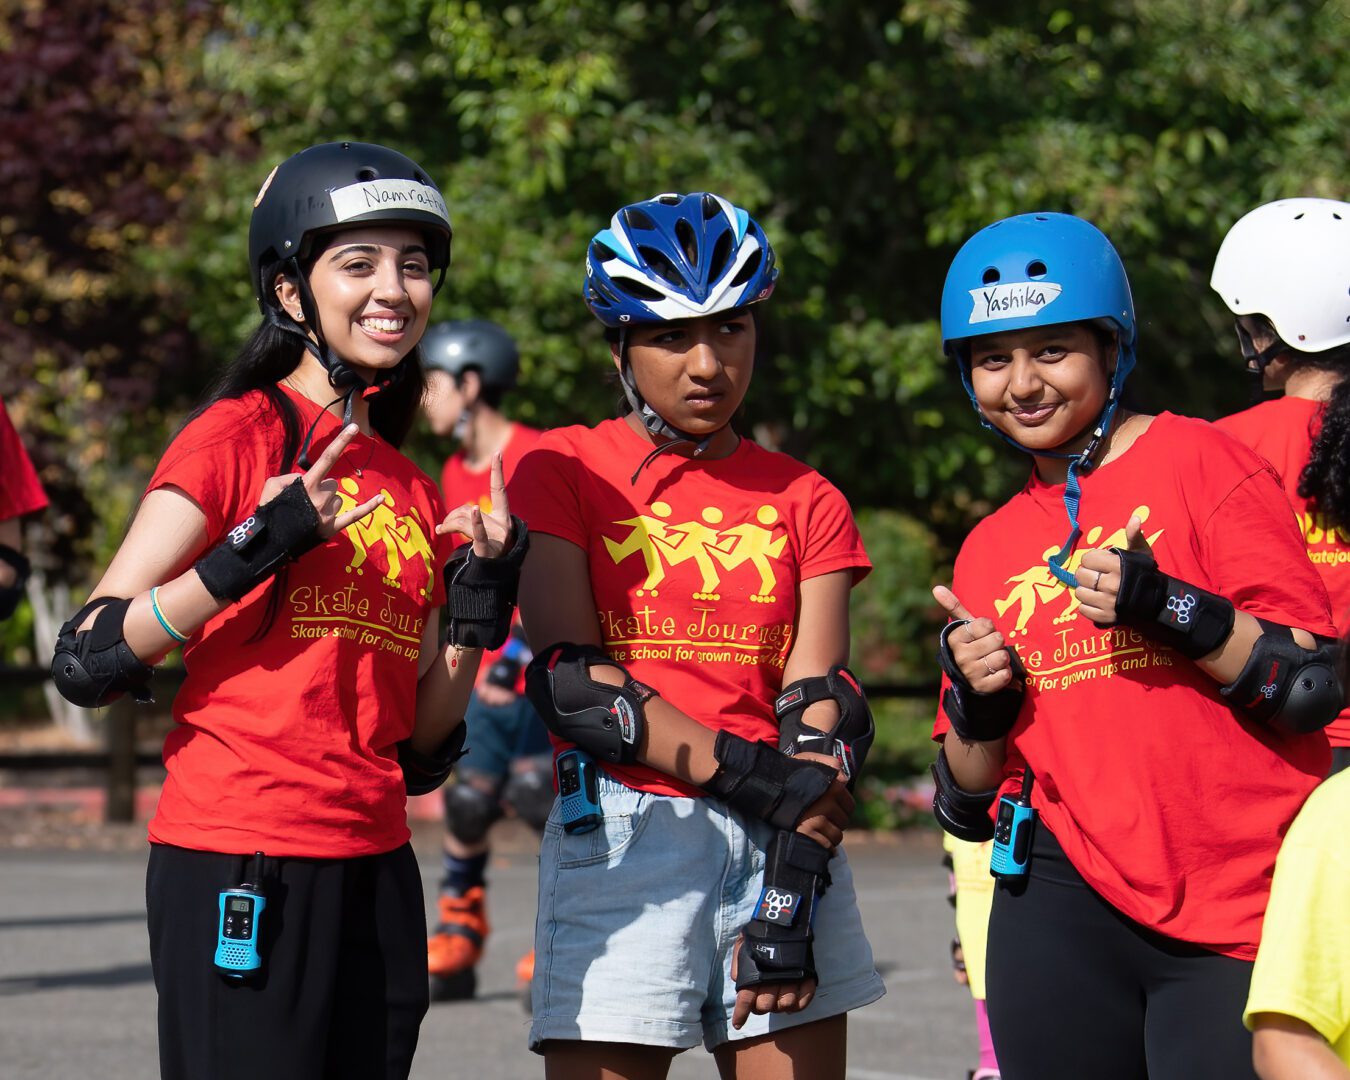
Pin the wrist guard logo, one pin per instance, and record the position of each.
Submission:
(777, 906)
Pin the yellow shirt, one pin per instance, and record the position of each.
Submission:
(1303, 968)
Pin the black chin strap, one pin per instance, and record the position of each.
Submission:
(655, 424)
(1258, 359)
(341, 376)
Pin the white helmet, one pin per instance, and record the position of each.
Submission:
(1290, 261)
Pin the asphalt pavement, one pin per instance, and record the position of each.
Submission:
(77, 1000)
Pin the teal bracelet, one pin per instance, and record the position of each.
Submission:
(164, 622)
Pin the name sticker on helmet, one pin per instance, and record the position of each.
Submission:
(357, 199)
(1013, 299)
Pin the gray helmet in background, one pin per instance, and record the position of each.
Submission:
(455, 347)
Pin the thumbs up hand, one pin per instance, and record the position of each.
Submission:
(977, 647)
(1099, 575)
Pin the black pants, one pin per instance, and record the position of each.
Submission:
(1077, 990)
(344, 984)
(1340, 759)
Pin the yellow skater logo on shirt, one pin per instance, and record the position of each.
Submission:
(663, 545)
(1037, 586)
(401, 535)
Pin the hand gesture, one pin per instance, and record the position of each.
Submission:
(490, 532)
(323, 493)
(826, 819)
(768, 997)
(978, 648)
(1099, 575)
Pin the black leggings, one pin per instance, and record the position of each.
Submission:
(345, 960)
(1078, 990)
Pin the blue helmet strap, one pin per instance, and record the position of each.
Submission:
(1082, 463)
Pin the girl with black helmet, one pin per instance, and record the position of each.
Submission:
(296, 555)
(695, 576)
(1132, 697)
(1284, 272)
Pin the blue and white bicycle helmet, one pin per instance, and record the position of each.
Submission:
(674, 257)
(1041, 269)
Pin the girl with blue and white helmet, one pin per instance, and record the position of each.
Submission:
(1134, 691)
(687, 599)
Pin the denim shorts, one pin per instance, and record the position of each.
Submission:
(638, 921)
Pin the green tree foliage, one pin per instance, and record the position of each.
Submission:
(869, 138)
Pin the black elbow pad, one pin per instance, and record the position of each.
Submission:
(964, 814)
(606, 721)
(1294, 689)
(850, 738)
(424, 773)
(95, 667)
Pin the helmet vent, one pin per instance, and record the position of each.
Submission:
(688, 241)
(662, 267)
(1298, 216)
(636, 219)
(637, 290)
(1035, 269)
(711, 208)
(749, 270)
(1041, 217)
(367, 174)
(602, 252)
(1336, 215)
(990, 276)
(668, 199)
(721, 253)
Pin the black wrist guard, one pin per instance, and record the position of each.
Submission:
(977, 717)
(10, 595)
(776, 943)
(760, 782)
(849, 739)
(95, 667)
(606, 721)
(423, 773)
(1168, 610)
(480, 594)
(276, 533)
(1291, 688)
(964, 814)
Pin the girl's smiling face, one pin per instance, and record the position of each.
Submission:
(1043, 387)
(372, 291)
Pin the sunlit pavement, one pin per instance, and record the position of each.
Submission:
(77, 1000)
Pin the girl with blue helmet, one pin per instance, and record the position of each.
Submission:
(683, 583)
(1152, 684)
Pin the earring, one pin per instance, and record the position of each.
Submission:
(299, 316)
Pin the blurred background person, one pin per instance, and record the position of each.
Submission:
(20, 494)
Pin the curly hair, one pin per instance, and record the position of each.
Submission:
(1325, 479)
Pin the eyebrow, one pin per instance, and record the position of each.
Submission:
(374, 249)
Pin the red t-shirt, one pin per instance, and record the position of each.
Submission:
(694, 569)
(20, 492)
(1282, 432)
(460, 485)
(286, 744)
(1170, 803)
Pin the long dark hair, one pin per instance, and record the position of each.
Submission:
(1325, 480)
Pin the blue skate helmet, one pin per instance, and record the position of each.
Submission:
(674, 257)
(1041, 269)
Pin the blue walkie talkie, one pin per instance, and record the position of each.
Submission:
(1013, 830)
(241, 911)
(579, 791)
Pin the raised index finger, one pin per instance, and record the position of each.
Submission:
(497, 486)
(329, 457)
(950, 603)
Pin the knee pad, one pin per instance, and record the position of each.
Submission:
(469, 812)
(529, 790)
(605, 721)
(1291, 688)
(95, 667)
(849, 739)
